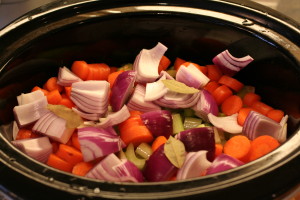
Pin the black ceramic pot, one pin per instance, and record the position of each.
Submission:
(34, 46)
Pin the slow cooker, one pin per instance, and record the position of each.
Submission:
(34, 46)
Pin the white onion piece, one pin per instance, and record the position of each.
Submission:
(98, 142)
(54, 127)
(91, 96)
(66, 77)
(88, 116)
(29, 97)
(111, 168)
(194, 164)
(191, 76)
(137, 100)
(147, 62)
(229, 64)
(257, 124)
(38, 148)
(15, 130)
(206, 104)
(178, 100)
(114, 118)
(228, 124)
(30, 112)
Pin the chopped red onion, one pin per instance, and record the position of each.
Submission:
(257, 124)
(66, 77)
(98, 142)
(222, 163)
(229, 64)
(206, 104)
(29, 97)
(159, 122)
(191, 76)
(111, 168)
(54, 127)
(137, 100)
(91, 96)
(158, 167)
(178, 100)
(121, 89)
(38, 148)
(29, 113)
(228, 124)
(196, 139)
(194, 165)
(114, 118)
(147, 62)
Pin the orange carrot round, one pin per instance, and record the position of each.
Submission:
(58, 163)
(261, 146)
(75, 141)
(238, 147)
(261, 107)
(232, 83)
(69, 154)
(275, 114)
(113, 76)
(232, 105)
(38, 88)
(211, 86)
(221, 93)
(54, 97)
(160, 140)
(82, 168)
(66, 102)
(242, 115)
(178, 62)
(98, 71)
(51, 84)
(250, 98)
(218, 149)
(164, 63)
(81, 69)
(213, 72)
(24, 133)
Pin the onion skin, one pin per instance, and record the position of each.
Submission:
(222, 163)
(158, 167)
(159, 122)
(121, 89)
(197, 139)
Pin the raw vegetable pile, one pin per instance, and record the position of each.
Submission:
(150, 121)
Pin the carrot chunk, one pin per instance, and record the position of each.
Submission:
(232, 83)
(238, 147)
(232, 105)
(221, 93)
(250, 98)
(160, 140)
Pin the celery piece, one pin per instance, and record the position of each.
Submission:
(219, 136)
(144, 150)
(172, 72)
(188, 112)
(177, 123)
(191, 122)
(130, 155)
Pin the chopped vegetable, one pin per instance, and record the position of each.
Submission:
(160, 140)
(238, 147)
(232, 105)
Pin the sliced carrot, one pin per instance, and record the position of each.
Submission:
(38, 88)
(231, 82)
(81, 69)
(82, 168)
(262, 145)
(218, 149)
(164, 63)
(68, 91)
(250, 98)
(51, 84)
(232, 105)
(275, 114)
(261, 107)
(238, 147)
(54, 97)
(58, 163)
(113, 69)
(66, 102)
(75, 141)
(113, 76)
(69, 154)
(211, 86)
(98, 71)
(24, 133)
(242, 115)
(178, 62)
(160, 140)
(213, 72)
(221, 93)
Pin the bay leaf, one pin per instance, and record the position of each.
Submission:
(179, 87)
(175, 151)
